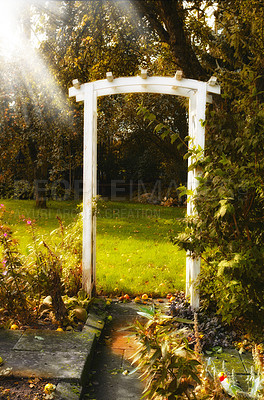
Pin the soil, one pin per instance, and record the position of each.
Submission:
(214, 333)
(47, 323)
(6, 320)
(19, 389)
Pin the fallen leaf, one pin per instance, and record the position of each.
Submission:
(39, 338)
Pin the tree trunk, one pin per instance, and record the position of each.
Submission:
(40, 186)
(166, 17)
(40, 175)
(41, 202)
(173, 19)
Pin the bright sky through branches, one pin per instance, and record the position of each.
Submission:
(19, 56)
(10, 27)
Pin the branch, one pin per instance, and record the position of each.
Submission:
(149, 10)
(167, 18)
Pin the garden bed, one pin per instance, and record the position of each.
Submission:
(22, 389)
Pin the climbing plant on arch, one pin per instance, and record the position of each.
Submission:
(198, 94)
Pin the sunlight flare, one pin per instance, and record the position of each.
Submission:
(10, 26)
(22, 63)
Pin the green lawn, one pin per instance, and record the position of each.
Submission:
(134, 251)
(46, 220)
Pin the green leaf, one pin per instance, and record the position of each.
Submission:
(134, 370)
(159, 127)
(217, 349)
(145, 314)
(183, 320)
(151, 117)
(155, 356)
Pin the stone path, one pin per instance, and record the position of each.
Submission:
(60, 355)
(109, 378)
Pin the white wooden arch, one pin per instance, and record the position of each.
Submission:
(198, 93)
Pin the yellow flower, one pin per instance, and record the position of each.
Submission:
(49, 388)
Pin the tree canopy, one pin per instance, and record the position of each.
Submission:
(84, 40)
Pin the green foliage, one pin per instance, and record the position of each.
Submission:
(52, 263)
(170, 368)
(159, 127)
(57, 257)
(24, 280)
(228, 230)
(84, 41)
(71, 251)
(32, 116)
(14, 277)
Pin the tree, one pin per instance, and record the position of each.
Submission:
(170, 20)
(85, 40)
(32, 120)
(145, 151)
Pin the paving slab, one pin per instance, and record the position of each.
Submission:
(47, 365)
(93, 321)
(247, 361)
(231, 360)
(50, 341)
(67, 391)
(65, 356)
(9, 338)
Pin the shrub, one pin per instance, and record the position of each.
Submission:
(71, 250)
(14, 276)
(170, 367)
(52, 268)
(228, 230)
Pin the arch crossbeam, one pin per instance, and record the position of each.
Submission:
(156, 84)
(199, 93)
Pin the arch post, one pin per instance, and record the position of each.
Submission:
(89, 189)
(197, 107)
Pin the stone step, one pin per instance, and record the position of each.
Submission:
(62, 356)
